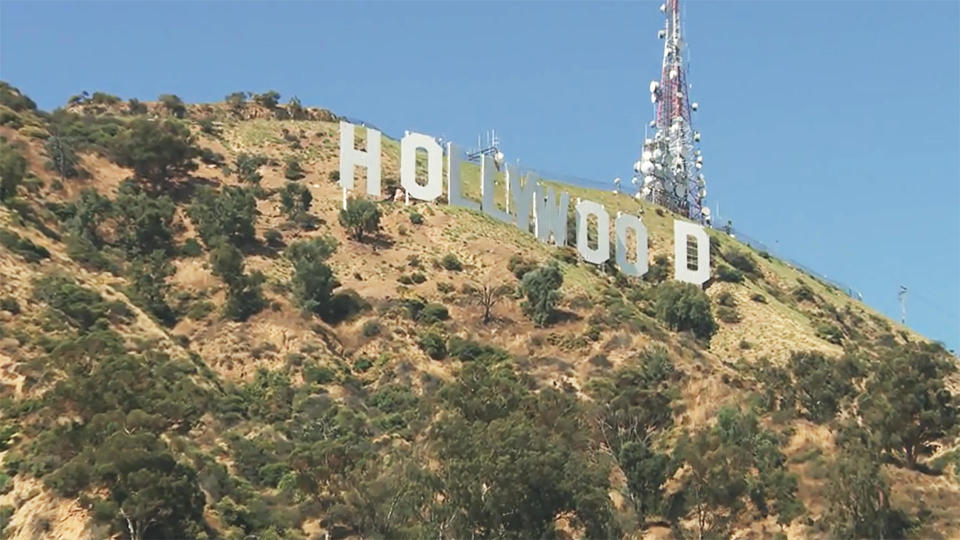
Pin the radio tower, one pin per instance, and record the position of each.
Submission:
(670, 163)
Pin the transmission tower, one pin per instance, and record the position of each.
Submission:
(670, 163)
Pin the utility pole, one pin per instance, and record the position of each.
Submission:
(902, 295)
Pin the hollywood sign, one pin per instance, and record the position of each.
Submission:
(529, 200)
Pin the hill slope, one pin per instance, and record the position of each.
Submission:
(212, 386)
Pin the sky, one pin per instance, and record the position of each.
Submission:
(831, 130)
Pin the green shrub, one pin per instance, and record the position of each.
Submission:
(344, 305)
(451, 262)
(541, 287)
(726, 299)
(248, 165)
(830, 333)
(229, 215)
(9, 303)
(191, 248)
(728, 274)
(372, 328)
(433, 344)
(13, 167)
(199, 310)
(759, 298)
(445, 287)
(683, 306)
(728, 315)
(741, 261)
(363, 364)
(313, 280)
(273, 238)
(360, 217)
(23, 246)
(418, 277)
(804, 294)
(416, 218)
(319, 375)
(433, 313)
(293, 170)
(519, 266)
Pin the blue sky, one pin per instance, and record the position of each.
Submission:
(830, 129)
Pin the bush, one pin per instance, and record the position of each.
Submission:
(360, 217)
(728, 274)
(313, 280)
(804, 294)
(830, 333)
(134, 106)
(445, 287)
(726, 299)
(9, 303)
(345, 305)
(728, 315)
(174, 104)
(296, 199)
(519, 266)
(757, 297)
(418, 277)
(268, 99)
(683, 306)
(191, 248)
(23, 246)
(372, 328)
(273, 238)
(433, 344)
(434, 313)
(451, 262)
(416, 218)
(229, 215)
(741, 261)
(143, 221)
(244, 293)
(13, 167)
(541, 287)
(63, 158)
(248, 166)
(293, 170)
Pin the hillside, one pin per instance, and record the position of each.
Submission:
(192, 347)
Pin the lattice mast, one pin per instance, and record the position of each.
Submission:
(670, 163)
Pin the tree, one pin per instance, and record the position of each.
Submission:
(236, 100)
(63, 158)
(907, 403)
(487, 295)
(149, 280)
(248, 166)
(154, 493)
(313, 280)
(859, 497)
(156, 151)
(174, 104)
(229, 215)
(295, 199)
(244, 294)
(683, 306)
(730, 463)
(143, 221)
(820, 384)
(359, 217)
(268, 99)
(88, 212)
(542, 290)
(13, 167)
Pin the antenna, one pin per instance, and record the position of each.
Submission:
(902, 295)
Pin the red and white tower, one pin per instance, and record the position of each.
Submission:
(668, 172)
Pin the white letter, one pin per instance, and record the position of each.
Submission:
(522, 196)
(548, 217)
(486, 191)
(602, 253)
(625, 222)
(682, 230)
(453, 180)
(408, 166)
(350, 157)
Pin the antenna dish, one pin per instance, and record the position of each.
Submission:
(647, 155)
(649, 180)
(654, 86)
(662, 34)
(663, 8)
(696, 136)
(635, 181)
(636, 167)
(695, 105)
(705, 212)
(646, 167)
